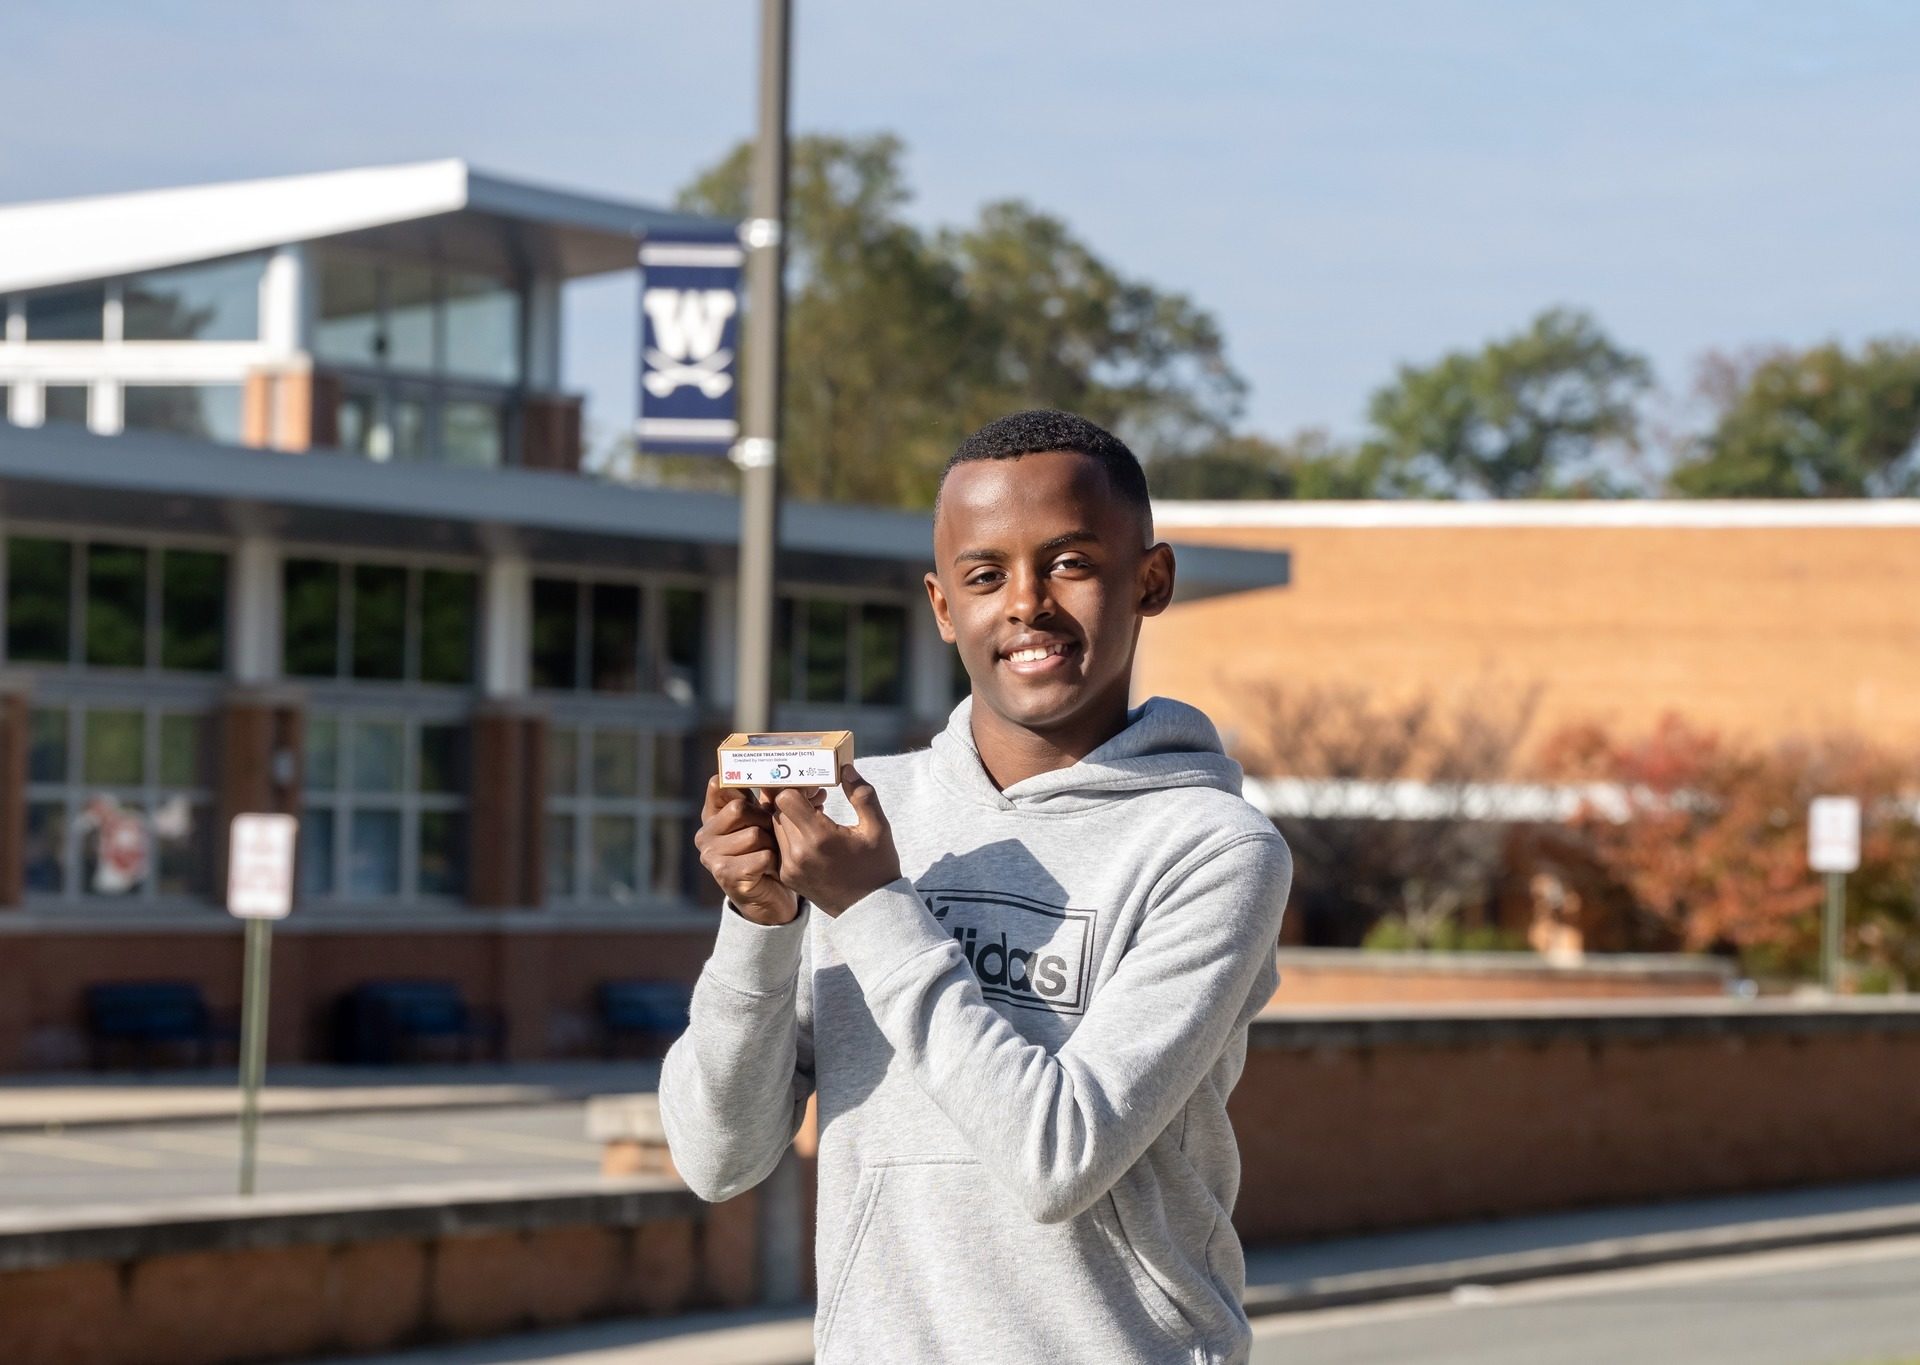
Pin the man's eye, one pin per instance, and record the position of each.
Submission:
(985, 578)
(1072, 563)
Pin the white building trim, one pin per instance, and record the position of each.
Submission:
(1700, 514)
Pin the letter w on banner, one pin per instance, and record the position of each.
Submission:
(689, 342)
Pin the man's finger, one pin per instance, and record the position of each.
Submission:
(863, 798)
(739, 841)
(791, 804)
(716, 795)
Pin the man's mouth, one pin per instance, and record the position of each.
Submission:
(1041, 657)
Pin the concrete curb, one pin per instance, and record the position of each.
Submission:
(1622, 1253)
(359, 1102)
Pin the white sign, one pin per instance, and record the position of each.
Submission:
(1833, 834)
(260, 866)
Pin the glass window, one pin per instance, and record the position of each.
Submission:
(686, 643)
(883, 654)
(615, 643)
(673, 857)
(322, 768)
(563, 761)
(472, 433)
(6, 402)
(560, 855)
(316, 852)
(193, 610)
(39, 600)
(358, 426)
(483, 328)
(310, 609)
(825, 647)
(784, 612)
(185, 751)
(378, 755)
(219, 301)
(379, 622)
(407, 429)
(443, 854)
(209, 412)
(410, 317)
(46, 846)
(447, 611)
(615, 857)
(64, 403)
(347, 325)
(115, 752)
(133, 817)
(443, 759)
(556, 614)
(77, 314)
(373, 854)
(116, 621)
(46, 746)
(616, 763)
(674, 767)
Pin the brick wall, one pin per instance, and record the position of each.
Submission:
(1761, 630)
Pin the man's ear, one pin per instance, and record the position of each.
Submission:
(1156, 579)
(937, 599)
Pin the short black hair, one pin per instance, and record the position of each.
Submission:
(1040, 431)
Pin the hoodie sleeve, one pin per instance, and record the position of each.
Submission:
(734, 1086)
(1059, 1129)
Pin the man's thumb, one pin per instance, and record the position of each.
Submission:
(863, 798)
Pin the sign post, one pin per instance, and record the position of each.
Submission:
(259, 891)
(1833, 847)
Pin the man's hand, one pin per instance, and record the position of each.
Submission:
(834, 865)
(738, 850)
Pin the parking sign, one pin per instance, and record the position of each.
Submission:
(1833, 834)
(260, 866)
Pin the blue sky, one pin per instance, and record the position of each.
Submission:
(1347, 187)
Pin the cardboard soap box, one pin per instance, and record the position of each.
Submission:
(785, 758)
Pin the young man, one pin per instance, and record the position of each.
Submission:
(1017, 969)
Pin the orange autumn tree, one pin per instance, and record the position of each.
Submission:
(1714, 841)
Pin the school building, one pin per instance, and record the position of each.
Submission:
(293, 520)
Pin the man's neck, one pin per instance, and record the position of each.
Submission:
(1012, 753)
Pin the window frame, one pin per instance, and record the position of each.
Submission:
(646, 808)
(415, 567)
(654, 668)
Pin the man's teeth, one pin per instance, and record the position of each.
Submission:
(1031, 656)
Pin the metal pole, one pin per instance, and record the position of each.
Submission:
(253, 1042)
(1833, 928)
(759, 448)
(758, 456)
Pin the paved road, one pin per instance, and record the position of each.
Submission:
(1856, 1304)
(1845, 1305)
(123, 1164)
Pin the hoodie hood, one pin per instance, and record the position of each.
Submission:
(1166, 743)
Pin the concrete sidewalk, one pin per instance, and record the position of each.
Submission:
(83, 1100)
(1346, 1271)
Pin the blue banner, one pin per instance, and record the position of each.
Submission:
(689, 343)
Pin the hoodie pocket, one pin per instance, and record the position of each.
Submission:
(937, 1263)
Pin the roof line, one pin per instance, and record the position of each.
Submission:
(1629, 513)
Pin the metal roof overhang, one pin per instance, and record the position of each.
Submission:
(141, 481)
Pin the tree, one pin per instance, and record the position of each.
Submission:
(1310, 465)
(1819, 423)
(1714, 840)
(1530, 415)
(900, 342)
(1354, 871)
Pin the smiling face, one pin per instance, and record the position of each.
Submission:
(1043, 578)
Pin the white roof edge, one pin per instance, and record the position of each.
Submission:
(63, 241)
(1645, 513)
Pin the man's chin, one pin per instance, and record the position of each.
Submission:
(1038, 709)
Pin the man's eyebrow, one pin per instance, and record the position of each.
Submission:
(1057, 543)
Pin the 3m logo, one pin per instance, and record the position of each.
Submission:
(1023, 952)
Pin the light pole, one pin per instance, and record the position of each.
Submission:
(758, 455)
(758, 451)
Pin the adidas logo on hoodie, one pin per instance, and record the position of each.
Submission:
(1023, 952)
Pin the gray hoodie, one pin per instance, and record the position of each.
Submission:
(1022, 1051)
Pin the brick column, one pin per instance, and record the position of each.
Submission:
(262, 733)
(13, 790)
(550, 427)
(506, 807)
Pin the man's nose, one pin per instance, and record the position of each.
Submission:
(1030, 598)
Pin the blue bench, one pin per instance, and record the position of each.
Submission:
(141, 1016)
(385, 1022)
(653, 1011)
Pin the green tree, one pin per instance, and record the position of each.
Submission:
(900, 341)
(1819, 423)
(1530, 415)
(1309, 465)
